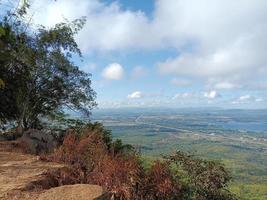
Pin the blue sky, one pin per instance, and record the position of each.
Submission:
(173, 53)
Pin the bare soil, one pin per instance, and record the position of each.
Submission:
(19, 172)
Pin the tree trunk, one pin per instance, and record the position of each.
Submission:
(19, 129)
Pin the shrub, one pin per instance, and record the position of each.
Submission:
(94, 158)
(160, 183)
(118, 175)
(206, 179)
(65, 176)
(80, 151)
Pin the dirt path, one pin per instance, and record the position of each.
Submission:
(18, 171)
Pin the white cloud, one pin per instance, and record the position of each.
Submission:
(238, 61)
(174, 22)
(185, 95)
(50, 12)
(135, 95)
(108, 27)
(113, 71)
(226, 38)
(211, 94)
(245, 97)
(225, 85)
(259, 100)
(197, 95)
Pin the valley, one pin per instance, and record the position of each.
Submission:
(238, 138)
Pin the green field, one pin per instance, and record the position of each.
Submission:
(243, 150)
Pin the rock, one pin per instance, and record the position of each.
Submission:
(74, 192)
(39, 141)
(2, 138)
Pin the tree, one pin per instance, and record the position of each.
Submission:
(204, 179)
(38, 74)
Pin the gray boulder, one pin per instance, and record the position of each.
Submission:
(2, 138)
(39, 141)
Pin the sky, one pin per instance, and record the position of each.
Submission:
(169, 53)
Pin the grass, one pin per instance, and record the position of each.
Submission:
(249, 191)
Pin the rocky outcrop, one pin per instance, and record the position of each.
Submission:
(74, 192)
(39, 141)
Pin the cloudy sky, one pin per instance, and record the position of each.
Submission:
(174, 53)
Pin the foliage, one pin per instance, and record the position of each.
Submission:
(39, 77)
(90, 152)
(206, 179)
(160, 183)
(119, 175)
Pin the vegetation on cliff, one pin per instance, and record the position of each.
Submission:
(93, 157)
